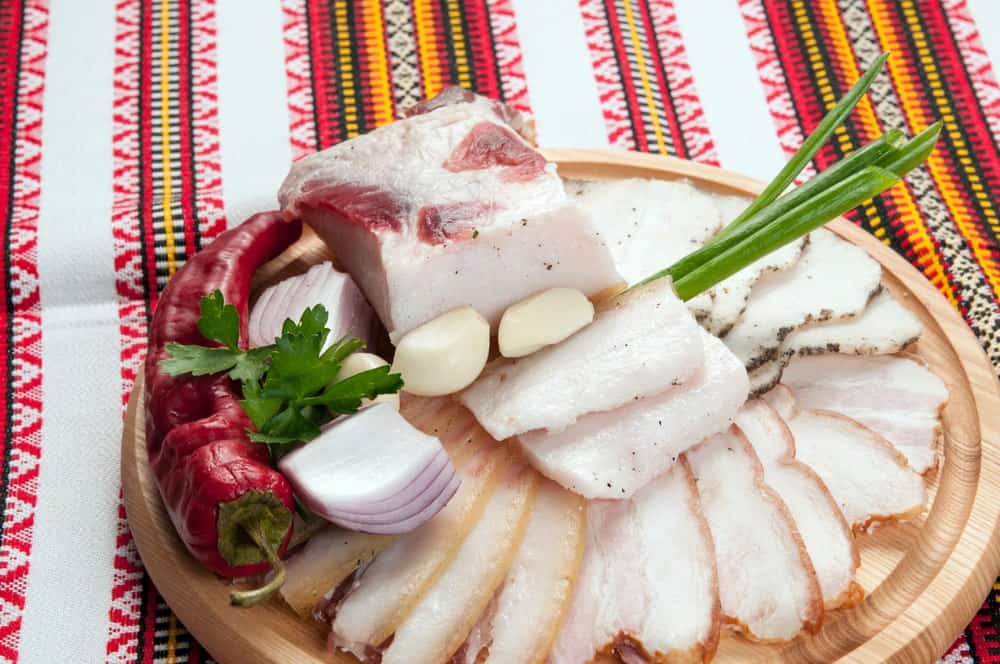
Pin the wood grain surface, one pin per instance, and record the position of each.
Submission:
(923, 580)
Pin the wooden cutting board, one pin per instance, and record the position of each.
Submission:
(923, 580)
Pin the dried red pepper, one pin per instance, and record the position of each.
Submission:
(230, 507)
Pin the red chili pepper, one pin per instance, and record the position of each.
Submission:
(231, 508)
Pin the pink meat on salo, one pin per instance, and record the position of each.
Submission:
(449, 206)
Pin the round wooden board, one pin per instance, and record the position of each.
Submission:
(923, 580)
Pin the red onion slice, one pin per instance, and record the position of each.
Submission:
(403, 501)
(366, 466)
(412, 522)
(429, 493)
(350, 314)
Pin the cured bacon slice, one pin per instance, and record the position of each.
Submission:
(767, 583)
(647, 587)
(884, 327)
(867, 476)
(895, 396)
(400, 576)
(730, 297)
(648, 224)
(440, 622)
(825, 533)
(526, 614)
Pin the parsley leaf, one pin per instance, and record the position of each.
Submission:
(345, 396)
(202, 361)
(197, 360)
(251, 365)
(219, 321)
(289, 426)
(259, 408)
(289, 388)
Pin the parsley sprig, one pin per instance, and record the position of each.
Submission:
(289, 387)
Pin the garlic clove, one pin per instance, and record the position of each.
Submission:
(542, 320)
(444, 355)
(356, 363)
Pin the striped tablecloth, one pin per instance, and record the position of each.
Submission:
(133, 131)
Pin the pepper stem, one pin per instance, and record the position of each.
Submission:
(251, 597)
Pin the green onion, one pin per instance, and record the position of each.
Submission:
(917, 149)
(777, 217)
(812, 144)
(793, 224)
(884, 146)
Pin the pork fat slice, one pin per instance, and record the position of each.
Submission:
(447, 208)
(648, 580)
(894, 396)
(648, 224)
(825, 533)
(614, 454)
(400, 576)
(441, 620)
(766, 581)
(867, 476)
(644, 344)
(832, 280)
(529, 608)
(884, 327)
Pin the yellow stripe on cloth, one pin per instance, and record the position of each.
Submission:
(167, 202)
(172, 640)
(427, 38)
(647, 88)
(463, 69)
(348, 77)
(941, 172)
(841, 51)
(379, 91)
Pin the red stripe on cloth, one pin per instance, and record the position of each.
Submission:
(186, 161)
(508, 55)
(298, 70)
(679, 84)
(23, 48)
(776, 91)
(644, 82)
(481, 49)
(977, 61)
(139, 228)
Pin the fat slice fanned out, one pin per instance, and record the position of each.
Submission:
(445, 208)
(442, 619)
(648, 224)
(884, 327)
(895, 396)
(643, 344)
(524, 617)
(832, 280)
(614, 454)
(767, 583)
(826, 534)
(729, 298)
(647, 587)
(867, 476)
(399, 577)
